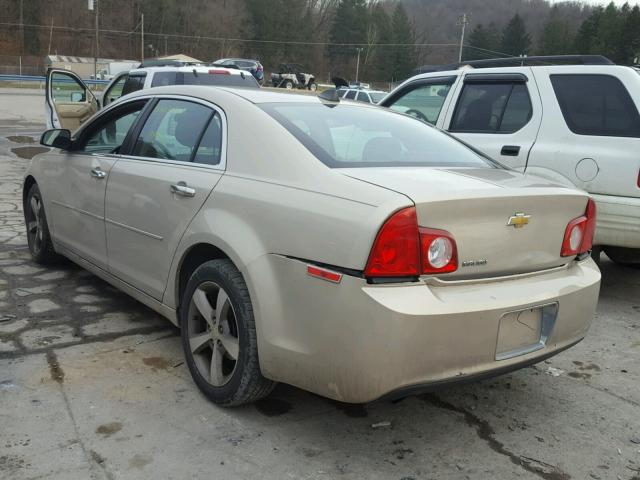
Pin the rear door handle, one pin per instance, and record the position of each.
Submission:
(181, 189)
(510, 150)
(97, 173)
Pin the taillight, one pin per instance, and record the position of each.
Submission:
(402, 249)
(396, 251)
(578, 237)
(219, 72)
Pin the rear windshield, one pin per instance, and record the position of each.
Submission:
(348, 136)
(203, 78)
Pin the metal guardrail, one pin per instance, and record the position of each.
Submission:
(33, 78)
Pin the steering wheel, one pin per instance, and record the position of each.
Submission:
(418, 114)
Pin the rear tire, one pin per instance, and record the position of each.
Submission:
(629, 257)
(288, 85)
(219, 336)
(313, 86)
(38, 236)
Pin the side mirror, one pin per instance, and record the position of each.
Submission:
(78, 97)
(57, 138)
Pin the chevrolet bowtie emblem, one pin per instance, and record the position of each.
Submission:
(518, 220)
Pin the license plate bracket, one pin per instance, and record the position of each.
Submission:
(526, 330)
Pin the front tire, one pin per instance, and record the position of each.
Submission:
(219, 336)
(38, 236)
(313, 86)
(629, 257)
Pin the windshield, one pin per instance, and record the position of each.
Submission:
(377, 96)
(347, 136)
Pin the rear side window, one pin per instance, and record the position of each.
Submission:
(134, 83)
(172, 130)
(351, 94)
(363, 97)
(244, 79)
(162, 79)
(596, 105)
(492, 108)
(210, 148)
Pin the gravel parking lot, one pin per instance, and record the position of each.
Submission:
(93, 385)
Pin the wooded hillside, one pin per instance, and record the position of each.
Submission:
(393, 36)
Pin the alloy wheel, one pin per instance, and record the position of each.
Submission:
(35, 226)
(212, 331)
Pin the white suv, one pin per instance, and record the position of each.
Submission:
(575, 124)
(75, 102)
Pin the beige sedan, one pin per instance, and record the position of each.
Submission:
(339, 247)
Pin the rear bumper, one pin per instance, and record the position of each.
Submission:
(356, 342)
(618, 221)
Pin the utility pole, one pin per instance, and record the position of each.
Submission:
(21, 35)
(93, 6)
(464, 22)
(358, 64)
(141, 37)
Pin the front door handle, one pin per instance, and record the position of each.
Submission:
(181, 188)
(97, 173)
(510, 150)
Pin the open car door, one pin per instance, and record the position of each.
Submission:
(69, 102)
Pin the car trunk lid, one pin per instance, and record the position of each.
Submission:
(503, 222)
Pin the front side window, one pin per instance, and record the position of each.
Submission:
(596, 105)
(134, 83)
(492, 108)
(346, 136)
(424, 101)
(350, 95)
(172, 130)
(66, 89)
(108, 134)
(114, 92)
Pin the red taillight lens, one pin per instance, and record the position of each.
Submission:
(401, 249)
(578, 237)
(396, 251)
(439, 251)
(219, 72)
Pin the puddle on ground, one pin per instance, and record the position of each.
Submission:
(28, 152)
(21, 139)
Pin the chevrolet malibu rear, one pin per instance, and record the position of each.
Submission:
(410, 261)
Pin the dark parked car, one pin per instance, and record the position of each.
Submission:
(253, 66)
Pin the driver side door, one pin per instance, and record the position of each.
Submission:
(80, 177)
(68, 101)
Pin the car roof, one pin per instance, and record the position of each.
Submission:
(252, 95)
(519, 69)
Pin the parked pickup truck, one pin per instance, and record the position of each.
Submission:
(571, 119)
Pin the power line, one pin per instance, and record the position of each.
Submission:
(245, 40)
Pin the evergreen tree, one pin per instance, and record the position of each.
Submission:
(349, 26)
(404, 54)
(607, 41)
(630, 37)
(557, 38)
(515, 39)
(481, 43)
(380, 24)
(586, 38)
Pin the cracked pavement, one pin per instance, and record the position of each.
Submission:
(92, 386)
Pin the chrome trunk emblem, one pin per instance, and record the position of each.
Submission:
(518, 220)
